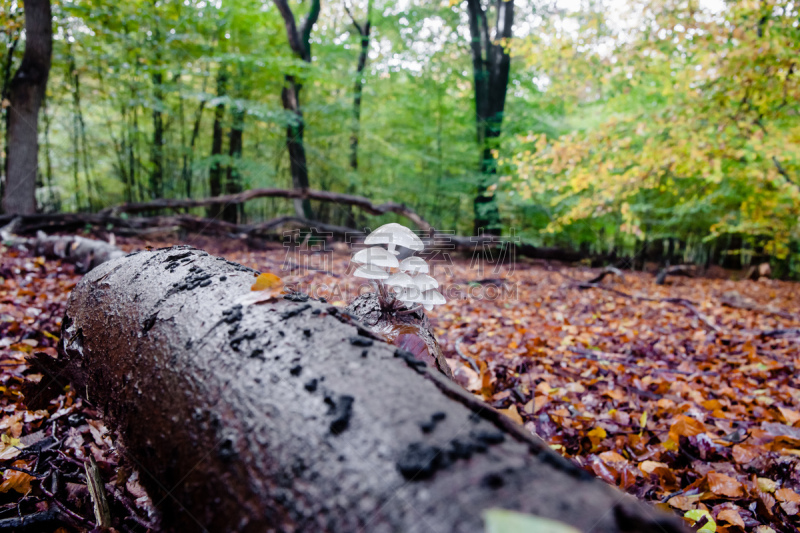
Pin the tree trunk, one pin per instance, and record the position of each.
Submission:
(298, 166)
(26, 91)
(157, 150)
(215, 172)
(233, 185)
(255, 414)
(491, 64)
(300, 43)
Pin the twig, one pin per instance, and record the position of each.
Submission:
(469, 360)
(97, 492)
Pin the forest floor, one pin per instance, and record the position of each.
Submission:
(684, 394)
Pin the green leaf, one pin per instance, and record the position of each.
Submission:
(503, 521)
(697, 514)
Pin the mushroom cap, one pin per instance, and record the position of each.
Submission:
(400, 280)
(424, 282)
(396, 235)
(414, 265)
(370, 272)
(427, 307)
(414, 295)
(433, 297)
(376, 256)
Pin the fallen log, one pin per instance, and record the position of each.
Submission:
(84, 253)
(258, 413)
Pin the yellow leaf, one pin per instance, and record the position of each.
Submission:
(513, 414)
(267, 281)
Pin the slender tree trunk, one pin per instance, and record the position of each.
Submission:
(233, 184)
(491, 64)
(299, 41)
(25, 95)
(7, 64)
(188, 156)
(157, 150)
(298, 166)
(215, 173)
(358, 91)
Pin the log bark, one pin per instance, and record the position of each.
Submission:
(279, 414)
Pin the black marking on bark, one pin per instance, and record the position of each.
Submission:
(293, 312)
(234, 314)
(236, 341)
(316, 311)
(364, 353)
(296, 297)
(149, 322)
(307, 332)
(410, 360)
(493, 481)
(223, 278)
(342, 409)
(419, 461)
(295, 370)
(311, 385)
(361, 341)
(258, 352)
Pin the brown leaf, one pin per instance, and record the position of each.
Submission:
(723, 485)
(18, 481)
(731, 516)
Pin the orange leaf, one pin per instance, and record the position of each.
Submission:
(685, 426)
(744, 454)
(648, 466)
(18, 481)
(787, 495)
(267, 281)
(731, 516)
(723, 485)
(513, 414)
(789, 415)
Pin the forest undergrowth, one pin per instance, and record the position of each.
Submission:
(683, 394)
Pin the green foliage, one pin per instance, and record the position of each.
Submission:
(684, 126)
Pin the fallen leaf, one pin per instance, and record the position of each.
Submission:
(503, 521)
(787, 495)
(723, 485)
(513, 414)
(267, 282)
(731, 516)
(15, 480)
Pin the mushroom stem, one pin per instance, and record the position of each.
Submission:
(409, 311)
(392, 248)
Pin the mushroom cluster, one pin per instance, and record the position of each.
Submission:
(410, 284)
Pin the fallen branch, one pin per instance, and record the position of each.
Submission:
(287, 415)
(303, 194)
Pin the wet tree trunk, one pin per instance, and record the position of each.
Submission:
(249, 413)
(25, 94)
(491, 64)
(300, 43)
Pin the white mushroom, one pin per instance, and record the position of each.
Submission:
(376, 256)
(432, 297)
(424, 282)
(370, 272)
(400, 280)
(426, 298)
(393, 235)
(414, 265)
